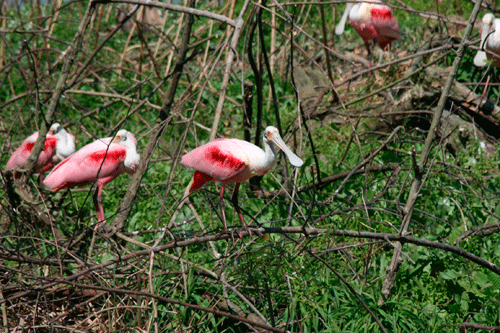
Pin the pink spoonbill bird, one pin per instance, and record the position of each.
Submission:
(490, 41)
(59, 144)
(373, 21)
(100, 161)
(234, 161)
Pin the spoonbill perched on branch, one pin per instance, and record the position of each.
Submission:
(373, 21)
(490, 41)
(58, 145)
(234, 161)
(100, 161)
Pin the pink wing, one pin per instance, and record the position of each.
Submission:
(21, 155)
(367, 31)
(386, 25)
(220, 159)
(92, 162)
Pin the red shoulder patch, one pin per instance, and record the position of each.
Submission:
(110, 155)
(382, 14)
(50, 143)
(29, 146)
(216, 156)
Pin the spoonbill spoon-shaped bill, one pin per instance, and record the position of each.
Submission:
(58, 145)
(100, 161)
(372, 21)
(490, 41)
(234, 161)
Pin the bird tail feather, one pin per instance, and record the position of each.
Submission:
(199, 178)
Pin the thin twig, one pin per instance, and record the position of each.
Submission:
(416, 185)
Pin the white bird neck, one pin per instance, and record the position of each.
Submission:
(271, 155)
(65, 144)
(493, 41)
(360, 12)
(132, 158)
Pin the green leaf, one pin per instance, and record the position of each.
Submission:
(464, 302)
(450, 274)
(481, 279)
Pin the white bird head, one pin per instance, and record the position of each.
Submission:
(480, 60)
(488, 19)
(272, 136)
(121, 136)
(125, 137)
(132, 159)
(65, 142)
(56, 127)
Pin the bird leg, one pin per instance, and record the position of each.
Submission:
(98, 205)
(234, 200)
(485, 90)
(369, 56)
(380, 52)
(367, 45)
(41, 176)
(221, 205)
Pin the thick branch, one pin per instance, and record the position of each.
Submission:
(60, 87)
(176, 302)
(128, 200)
(250, 233)
(177, 8)
(396, 261)
(227, 73)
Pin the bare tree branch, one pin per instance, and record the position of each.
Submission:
(397, 260)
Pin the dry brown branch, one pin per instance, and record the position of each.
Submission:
(286, 230)
(333, 178)
(177, 302)
(480, 231)
(465, 326)
(164, 83)
(418, 180)
(69, 59)
(177, 8)
(129, 198)
(231, 50)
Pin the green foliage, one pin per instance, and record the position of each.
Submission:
(435, 290)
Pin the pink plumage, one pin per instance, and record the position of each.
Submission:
(21, 154)
(222, 160)
(58, 144)
(372, 21)
(385, 25)
(234, 161)
(490, 41)
(100, 161)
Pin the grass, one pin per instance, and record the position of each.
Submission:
(435, 291)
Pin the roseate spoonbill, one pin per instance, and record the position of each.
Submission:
(372, 21)
(100, 161)
(59, 144)
(490, 41)
(234, 161)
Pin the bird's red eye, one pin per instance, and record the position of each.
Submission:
(269, 134)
